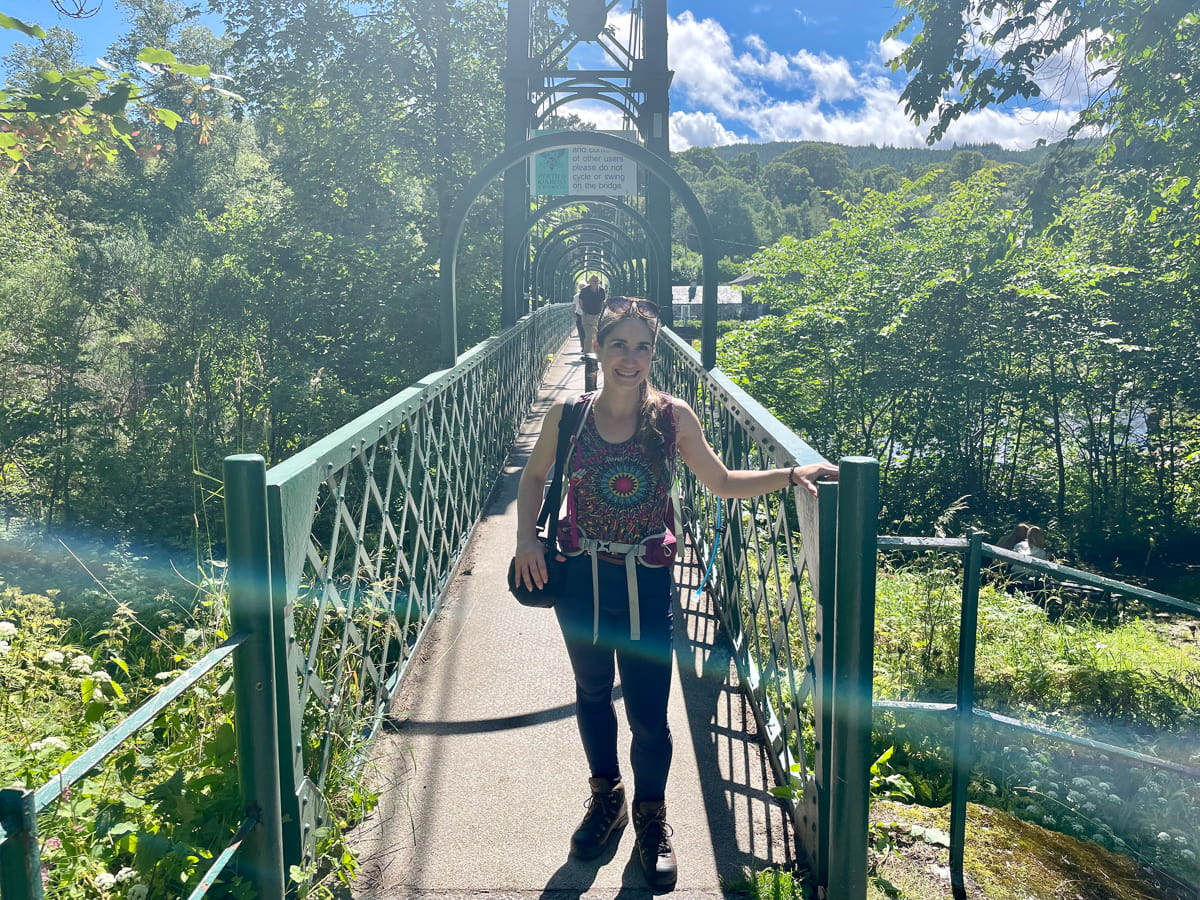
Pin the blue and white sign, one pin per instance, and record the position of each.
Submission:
(584, 171)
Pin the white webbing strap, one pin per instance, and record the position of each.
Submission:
(632, 553)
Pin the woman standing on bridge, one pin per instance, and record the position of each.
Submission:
(618, 541)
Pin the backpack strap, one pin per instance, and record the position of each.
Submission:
(554, 494)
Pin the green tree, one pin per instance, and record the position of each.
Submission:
(1144, 57)
(87, 113)
(826, 164)
(787, 181)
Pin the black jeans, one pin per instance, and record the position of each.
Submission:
(645, 667)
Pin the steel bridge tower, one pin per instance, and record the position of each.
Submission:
(633, 78)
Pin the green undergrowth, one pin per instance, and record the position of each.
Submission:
(1126, 677)
(146, 822)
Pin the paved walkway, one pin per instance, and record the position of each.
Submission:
(481, 775)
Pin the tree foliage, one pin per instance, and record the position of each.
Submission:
(250, 291)
(1048, 374)
(1142, 56)
(89, 113)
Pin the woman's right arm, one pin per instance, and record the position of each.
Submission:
(530, 552)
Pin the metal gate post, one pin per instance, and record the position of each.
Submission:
(20, 854)
(964, 715)
(853, 665)
(812, 833)
(254, 670)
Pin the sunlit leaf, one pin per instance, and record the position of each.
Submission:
(33, 30)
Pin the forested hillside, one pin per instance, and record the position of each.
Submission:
(899, 158)
(756, 194)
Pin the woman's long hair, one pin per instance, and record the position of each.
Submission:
(649, 434)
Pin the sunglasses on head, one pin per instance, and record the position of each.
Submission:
(623, 306)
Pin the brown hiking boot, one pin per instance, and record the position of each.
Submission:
(606, 814)
(654, 843)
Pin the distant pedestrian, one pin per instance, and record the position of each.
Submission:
(1010, 540)
(583, 347)
(1033, 545)
(618, 545)
(591, 303)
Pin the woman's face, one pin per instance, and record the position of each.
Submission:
(626, 352)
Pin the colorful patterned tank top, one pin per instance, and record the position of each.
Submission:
(614, 493)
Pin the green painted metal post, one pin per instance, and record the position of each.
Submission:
(827, 504)
(254, 670)
(965, 713)
(853, 665)
(20, 854)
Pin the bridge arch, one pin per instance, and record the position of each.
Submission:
(658, 251)
(583, 230)
(587, 89)
(660, 168)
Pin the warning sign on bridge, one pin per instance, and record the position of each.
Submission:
(584, 171)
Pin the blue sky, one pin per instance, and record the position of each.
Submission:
(757, 70)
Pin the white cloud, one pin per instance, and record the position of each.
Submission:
(702, 57)
(830, 77)
(883, 52)
(720, 90)
(761, 62)
(699, 129)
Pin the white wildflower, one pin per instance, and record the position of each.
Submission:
(106, 881)
(82, 663)
(50, 743)
(7, 629)
(53, 658)
(126, 874)
(5, 646)
(101, 677)
(137, 892)
(1164, 838)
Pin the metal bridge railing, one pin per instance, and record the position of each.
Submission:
(963, 713)
(793, 589)
(366, 529)
(338, 558)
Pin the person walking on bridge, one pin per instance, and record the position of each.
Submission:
(591, 304)
(618, 544)
(584, 347)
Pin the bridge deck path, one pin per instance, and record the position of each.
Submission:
(481, 774)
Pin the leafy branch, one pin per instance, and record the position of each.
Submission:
(88, 114)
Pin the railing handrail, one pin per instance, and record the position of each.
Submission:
(1067, 573)
(785, 686)
(398, 511)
